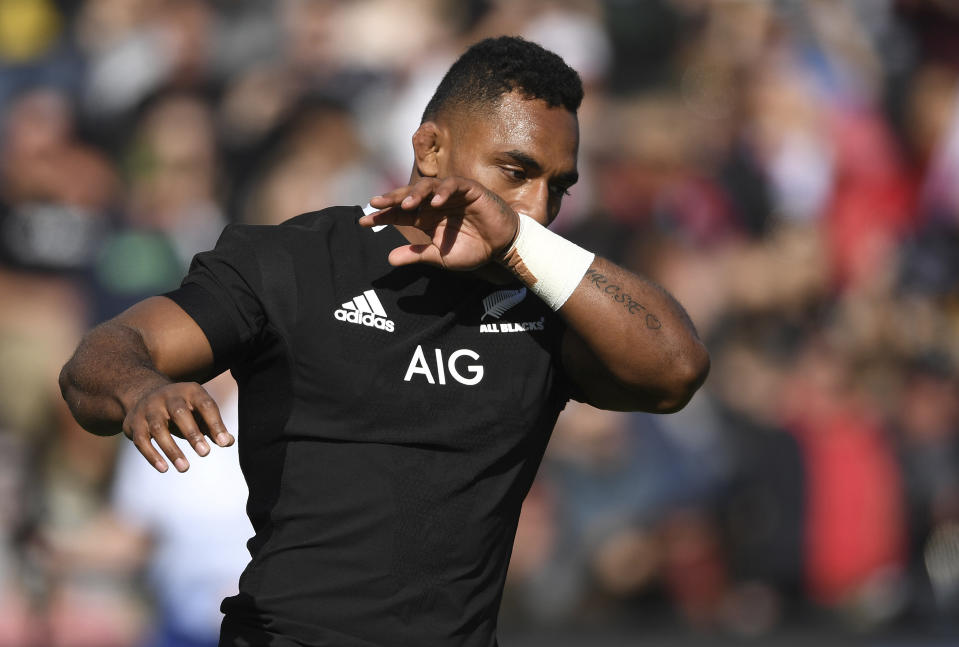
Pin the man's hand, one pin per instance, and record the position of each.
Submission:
(182, 408)
(137, 374)
(468, 225)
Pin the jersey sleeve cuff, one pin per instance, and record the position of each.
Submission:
(216, 324)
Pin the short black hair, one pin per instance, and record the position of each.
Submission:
(496, 66)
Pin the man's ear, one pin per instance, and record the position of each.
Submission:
(428, 142)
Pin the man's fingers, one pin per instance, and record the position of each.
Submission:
(387, 216)
(381, 201)
(138, 432)
(425, 191)
(205, 405)
(185, 408)
(424, 218)
(465, 222)
(446, 188)
(158, 426)
(182, 416)
(419, 194)
(422, 204)
(406, 197)
(391, 199)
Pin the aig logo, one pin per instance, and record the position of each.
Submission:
(453, 365)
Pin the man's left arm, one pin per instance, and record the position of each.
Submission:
(630, 345)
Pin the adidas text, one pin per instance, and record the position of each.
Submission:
(367, 319)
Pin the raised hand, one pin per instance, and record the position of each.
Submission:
(181, 408)
(468, 225)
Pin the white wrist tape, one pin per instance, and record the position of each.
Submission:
(550, 265)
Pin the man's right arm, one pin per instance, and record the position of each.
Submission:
(138, 373)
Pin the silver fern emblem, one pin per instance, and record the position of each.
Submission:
(500, 301)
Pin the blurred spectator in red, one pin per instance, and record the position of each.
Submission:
(855, 540)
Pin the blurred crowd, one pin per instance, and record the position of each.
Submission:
(789, 170)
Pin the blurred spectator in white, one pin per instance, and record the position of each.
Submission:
(316, 160)
(392, 112)
(136, 46)
(196, 527)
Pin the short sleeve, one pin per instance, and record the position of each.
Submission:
(220, 293)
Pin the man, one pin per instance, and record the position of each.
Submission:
(400, 370)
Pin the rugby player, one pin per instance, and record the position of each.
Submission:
(400, 368)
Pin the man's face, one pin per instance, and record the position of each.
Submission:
(522, 150)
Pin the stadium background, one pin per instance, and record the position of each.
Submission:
(787, 169)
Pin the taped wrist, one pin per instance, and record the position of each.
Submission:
(550, 265)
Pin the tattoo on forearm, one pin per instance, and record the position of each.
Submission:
(615, 292)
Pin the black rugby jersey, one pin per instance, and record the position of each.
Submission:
(391, 423)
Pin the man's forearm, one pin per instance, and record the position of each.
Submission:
(634, 346)
(639, 332)
(108, 373)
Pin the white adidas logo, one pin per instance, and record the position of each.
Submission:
(367, 310)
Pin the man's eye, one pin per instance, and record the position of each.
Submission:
(560, 190)
(515, 173)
